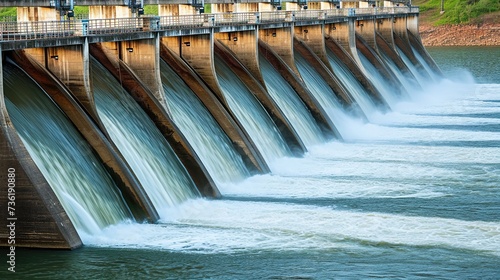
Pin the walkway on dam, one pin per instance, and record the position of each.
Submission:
(194, 24)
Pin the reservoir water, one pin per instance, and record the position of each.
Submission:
(414, 193)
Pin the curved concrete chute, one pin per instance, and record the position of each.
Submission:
(70, 65)
(243, 45)
(132, 191)
(375, 60)
(162, 121)
(417, 45)
(199, 59)
(313, 37)
(342, 94)
(327, 126)
(385, 47)
(51, 226)
(240, 139)
(353, 67)
(292, 139)
(403, 44)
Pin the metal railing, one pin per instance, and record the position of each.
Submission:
(93, 27)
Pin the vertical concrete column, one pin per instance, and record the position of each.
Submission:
(28, 18)
(384, 28)
(168, 10)
(402, 41)
(222, 7)
(109, 12)
(343, 33)
(388, 4)
(412, 24)
(349, 4)
(265, 7)
(33, 14)
(291, 6)
(281, 41)
(320, 5)
(399, 27)
(313, 36)
(244, 45)
(187, 10)
(143, 57)
(198, 52)
(366, 29)
(364, 4)
(70, 64)
(246, 7)
(176, 10)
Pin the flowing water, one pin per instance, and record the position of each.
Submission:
(411, 81)
(294, 109)
(324, 94)
(201, 130)
(353, 86)
(412, 194)
(70, 166)
(251, 114)
(142, 145)
(379, 81)
(426, 66)
(416, 74)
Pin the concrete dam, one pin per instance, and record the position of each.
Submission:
(118, 115)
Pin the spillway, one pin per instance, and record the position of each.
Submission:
(354, 87)
(294, 109)
(85, 189)
(251, 114)
(142, 145)
(202, 131)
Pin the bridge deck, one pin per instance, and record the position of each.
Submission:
(19, 35)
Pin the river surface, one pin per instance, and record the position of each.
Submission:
(414, 194)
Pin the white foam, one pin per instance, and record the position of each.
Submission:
(359, 168)
(230, 226)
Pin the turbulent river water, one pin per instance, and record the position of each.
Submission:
(414, 193)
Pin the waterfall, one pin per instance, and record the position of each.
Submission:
(353, 86)
(380, 82)
(323, 93)
(77, 176)
(426, 66)
(294, 109)
(420, 79)
(251, 114)
(201, 130)
(153, 161)
(409, 82)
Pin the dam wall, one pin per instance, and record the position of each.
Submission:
(57, 55)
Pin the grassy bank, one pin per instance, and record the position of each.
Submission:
(458, 11)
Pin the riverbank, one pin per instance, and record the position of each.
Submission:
(486, 34)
